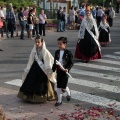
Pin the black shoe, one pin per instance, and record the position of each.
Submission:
(68, 97)
(58, 104)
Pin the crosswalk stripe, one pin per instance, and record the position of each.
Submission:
(117, 53)
(16, 82)
(98, 67)
(91, 84)
(101, 86)
(108, 61)
(94, 74)
(97, 100)
(111, 56)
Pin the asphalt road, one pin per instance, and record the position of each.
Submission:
(96, 82)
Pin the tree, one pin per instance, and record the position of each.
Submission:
(101, 2)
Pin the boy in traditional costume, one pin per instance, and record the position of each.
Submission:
(65, 58)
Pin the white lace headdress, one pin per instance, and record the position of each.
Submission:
(87, 24)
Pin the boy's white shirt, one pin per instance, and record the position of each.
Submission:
(61, 56)
(46, 67)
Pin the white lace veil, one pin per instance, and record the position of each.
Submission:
(85, 25)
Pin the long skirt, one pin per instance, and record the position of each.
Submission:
(36, 87)
(87, 49)
(110, 22)
(104, 38)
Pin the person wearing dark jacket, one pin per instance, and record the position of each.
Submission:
(65, 58)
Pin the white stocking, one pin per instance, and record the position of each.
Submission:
(67, 90)
(59, 94)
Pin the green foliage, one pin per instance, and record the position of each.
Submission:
(51, 21)
(3, 3)
(18, 3)
(100, 2)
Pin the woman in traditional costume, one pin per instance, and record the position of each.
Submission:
(88, 47)
(38, 80)
(104, 32)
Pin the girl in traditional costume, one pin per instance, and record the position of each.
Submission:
(104, 32)
(88, 47)
(38, 78)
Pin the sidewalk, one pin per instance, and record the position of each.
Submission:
(16, 109)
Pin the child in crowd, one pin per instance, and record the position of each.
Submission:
(104, 32)
(65, 57)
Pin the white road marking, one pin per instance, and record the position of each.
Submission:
(111, 56)
(117, 53)
(108, 61)
(97, 100)
(94, 74)
(91, 84)
(16, 82)
(98, 67)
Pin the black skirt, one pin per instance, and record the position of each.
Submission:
(88, 46)
(36, 86)
(103, 36)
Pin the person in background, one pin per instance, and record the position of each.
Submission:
(76, 18)
(36, 22)
(14, 11)
(107, 12)
(94, 12)
(1, 25)
(21, 20)
(111, 16)
(100, 14)
(59, 20)
(82, 11)
(30, 23)
(10, 19)
(2, 17)
(104, 32)
(42, 20)
(88, 47)
(64, 19)
(72, 18)
(25, 13)
(17, 23)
